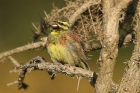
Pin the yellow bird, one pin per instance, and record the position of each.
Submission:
(64, 46)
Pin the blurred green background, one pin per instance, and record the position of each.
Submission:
(16, 17)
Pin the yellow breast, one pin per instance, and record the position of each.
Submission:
(60, 53)
(57, 51)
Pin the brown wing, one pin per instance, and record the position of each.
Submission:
(76, 48)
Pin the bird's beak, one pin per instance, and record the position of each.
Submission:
(55, 25)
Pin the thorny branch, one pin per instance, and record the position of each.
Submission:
(13, 61)
(38, 63)
(93, 46)
(81, 10)
(21, 49)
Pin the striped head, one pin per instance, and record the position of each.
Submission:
(61, 24)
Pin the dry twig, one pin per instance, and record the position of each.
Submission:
(38, 63)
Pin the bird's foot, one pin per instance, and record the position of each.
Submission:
(58, 63)
(67, 65)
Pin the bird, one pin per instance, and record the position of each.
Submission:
(64, 46)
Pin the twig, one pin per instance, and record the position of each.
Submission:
(83, 8)
(46, 14)
(84, 30)
(92, 21)
(21, 49)
(38, 63)
(128, 38)
(13, 61)
(35, 27)
(97, 46)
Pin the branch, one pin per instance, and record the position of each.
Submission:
(13, 61)
(122, 42)
(82, 9)
(38, 63)
(125, 39)
(130, 81)
(23, 48)
(109, 49)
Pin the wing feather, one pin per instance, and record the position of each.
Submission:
(76, 48)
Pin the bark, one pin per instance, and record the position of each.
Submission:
(38, 63)
(109, 43)
(131, 80)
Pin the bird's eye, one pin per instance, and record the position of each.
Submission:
(61, 23)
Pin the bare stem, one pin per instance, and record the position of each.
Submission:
(38, 63)
(13, 61)
(83, 8)
(21, 49)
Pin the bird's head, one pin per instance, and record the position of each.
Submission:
(61, 24)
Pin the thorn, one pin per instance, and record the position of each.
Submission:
(13, 71)
(79, 78)
(36, 35)
(30, 69)
(35, 27)
(46, 14)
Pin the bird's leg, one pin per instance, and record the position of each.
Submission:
(58, 63)
(68, 65)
